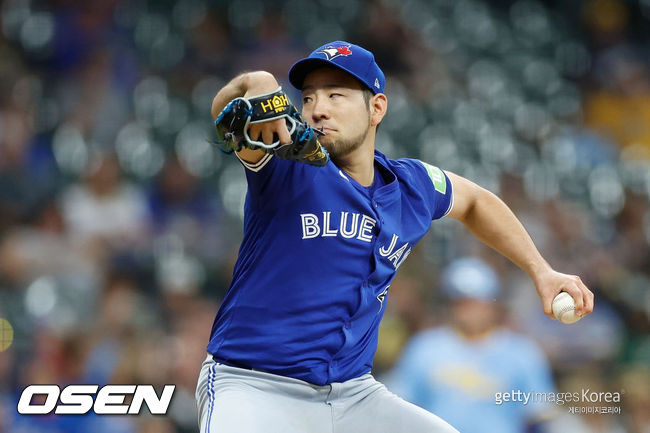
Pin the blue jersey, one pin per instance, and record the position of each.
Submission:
(318, 255)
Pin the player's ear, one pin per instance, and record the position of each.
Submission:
(378, 107)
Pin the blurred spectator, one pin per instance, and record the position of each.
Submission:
(400, 50)
(187, 341)
(181, 207)
(81, 31)
(405, 315)
(211, 48)
(94, 98)
(21, 185)
(156, 425)
(621, 109)
(106, 214)
(457, 370)
(634, 380)
(7, 363)
(32, 250)
(123, 312)
(619, 105)
(271, 49)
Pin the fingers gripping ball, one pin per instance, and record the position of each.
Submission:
(564, 308)
(233, 122)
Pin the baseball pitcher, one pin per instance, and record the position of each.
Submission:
(328, 222)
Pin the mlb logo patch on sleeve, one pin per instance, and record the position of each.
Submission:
(436, 176)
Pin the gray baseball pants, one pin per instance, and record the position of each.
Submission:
(236, 400)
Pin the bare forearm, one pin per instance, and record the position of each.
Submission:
(248, 82)
(491, 221)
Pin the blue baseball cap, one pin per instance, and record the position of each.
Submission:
(348, 57)
(471, 278)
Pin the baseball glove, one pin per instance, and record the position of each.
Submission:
(233, 122)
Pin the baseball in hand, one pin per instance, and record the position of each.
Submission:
(564, 308)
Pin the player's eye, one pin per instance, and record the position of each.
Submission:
(335, 95)
(306, 99)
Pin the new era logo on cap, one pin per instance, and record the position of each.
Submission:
(351, 58)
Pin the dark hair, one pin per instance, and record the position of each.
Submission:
(367, 96)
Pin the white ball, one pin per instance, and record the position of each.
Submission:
(564, 308)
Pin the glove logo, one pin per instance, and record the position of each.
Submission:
(334, 52)
(317, 154)
(278, 103)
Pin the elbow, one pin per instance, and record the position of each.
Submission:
(475, 200)
(466, 215)
(215, 109)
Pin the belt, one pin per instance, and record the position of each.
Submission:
(230, 363)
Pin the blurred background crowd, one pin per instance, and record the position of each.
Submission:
(120, 221)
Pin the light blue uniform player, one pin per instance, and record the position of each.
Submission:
(292, 345)
(464, 370)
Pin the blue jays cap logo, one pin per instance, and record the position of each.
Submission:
(350, 58)
(334, 52)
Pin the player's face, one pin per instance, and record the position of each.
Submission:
(333, 101)
(474, 317)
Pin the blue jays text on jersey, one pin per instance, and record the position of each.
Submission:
(318, 255)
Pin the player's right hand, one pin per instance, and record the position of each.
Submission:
(259, 83)
(269, 132)
(551, 282)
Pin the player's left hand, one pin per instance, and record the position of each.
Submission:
(550, 283)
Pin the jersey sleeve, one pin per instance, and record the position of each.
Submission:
(436, 186)
(257, 166)
(264, 178)
(273, 181)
